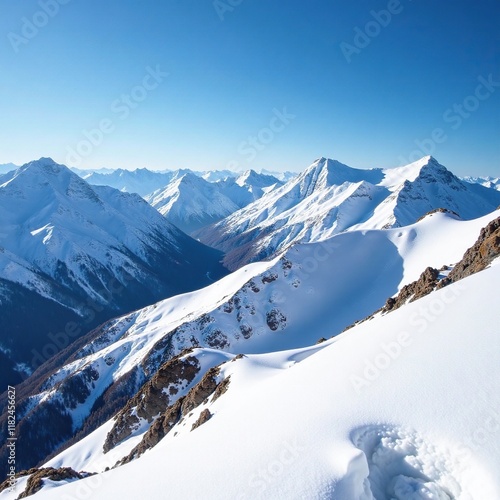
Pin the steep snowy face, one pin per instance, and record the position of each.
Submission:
(330, 197)
(190, 202)
(65, 245)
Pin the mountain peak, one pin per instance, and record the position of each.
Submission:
(45, 166)
(325, 172)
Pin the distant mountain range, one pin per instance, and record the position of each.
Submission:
(144, 182)
(191, 203)
(330, 197)
(489, 182)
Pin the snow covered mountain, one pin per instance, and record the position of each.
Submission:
(489, 182)
(330, 197)
(312, 291)
(248, 187)
(402, 406)
(190, 202)
(72, 253)
(141, 181)
(7, 167)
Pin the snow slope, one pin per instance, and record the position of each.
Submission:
(405, 406)
(330, 197)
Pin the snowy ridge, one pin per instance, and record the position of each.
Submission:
(330, 197)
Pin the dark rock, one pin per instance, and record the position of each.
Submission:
(275, 319)
(183, 406)
(35, 481)
(153, 398)
(439, 210)
(205, 416)
(480, 255)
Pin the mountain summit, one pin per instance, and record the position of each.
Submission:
(74, 252)
(330, 197)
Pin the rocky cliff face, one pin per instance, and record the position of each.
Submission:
(480, 255)
(155, 396)
(209, 385)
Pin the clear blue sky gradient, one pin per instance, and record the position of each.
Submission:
(228, 77)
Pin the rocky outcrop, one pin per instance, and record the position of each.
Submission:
(439, 210)
(425, 284)
(35, 481)
(480, 255)
(154, 397)
(183, 407)
(205, 416)
(476, 258)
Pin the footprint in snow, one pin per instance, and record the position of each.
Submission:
(404, 466)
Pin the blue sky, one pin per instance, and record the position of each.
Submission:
(250, 83)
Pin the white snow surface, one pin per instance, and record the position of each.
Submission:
(405, 406)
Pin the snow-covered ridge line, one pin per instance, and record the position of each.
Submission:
(330, 197)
